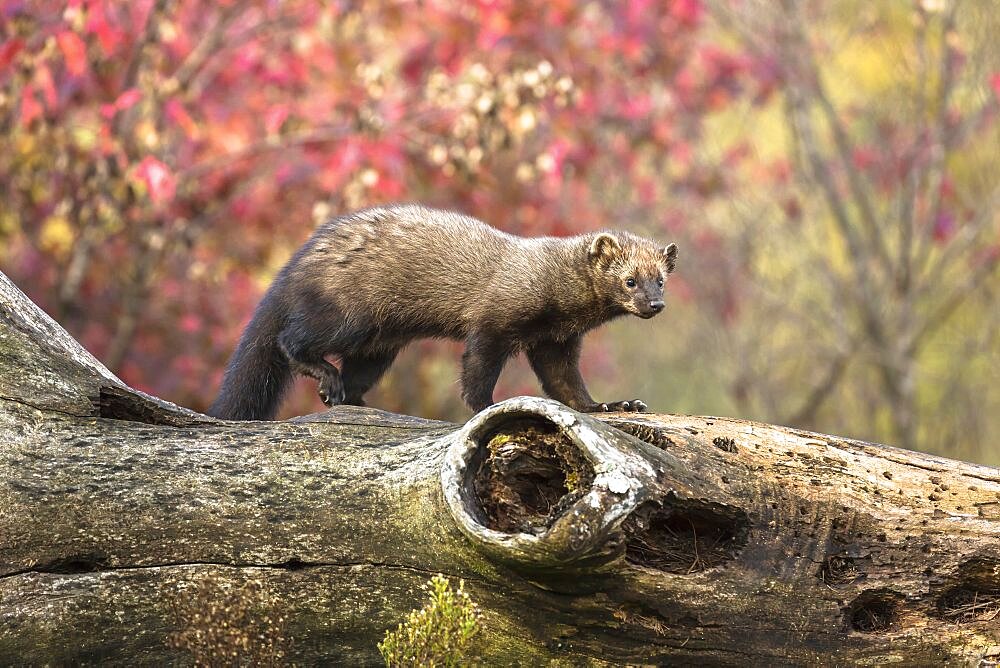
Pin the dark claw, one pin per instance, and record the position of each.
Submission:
(633, 405)
(331, 390)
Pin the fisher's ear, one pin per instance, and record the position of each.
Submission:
(604, 248)
(670, 257)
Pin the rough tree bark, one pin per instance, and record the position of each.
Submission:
(128, 525)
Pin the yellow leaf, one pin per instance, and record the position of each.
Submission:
(10, 223)
(25, 144)
(56, 235)
(84, 137)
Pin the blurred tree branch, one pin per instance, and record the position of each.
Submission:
(903, 276)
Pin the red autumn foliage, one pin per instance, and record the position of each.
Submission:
(162, 159)
(190, 146)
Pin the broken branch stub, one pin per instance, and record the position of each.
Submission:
(541, 487)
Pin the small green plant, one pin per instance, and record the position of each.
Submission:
(439, 634)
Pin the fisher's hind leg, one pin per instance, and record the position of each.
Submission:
(306, 341)
(307, 358)
(362, 370)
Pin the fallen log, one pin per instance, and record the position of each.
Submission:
(134, 531)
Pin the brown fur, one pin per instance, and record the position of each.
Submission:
(368, 283)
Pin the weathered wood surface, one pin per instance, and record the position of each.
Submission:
(702, 541)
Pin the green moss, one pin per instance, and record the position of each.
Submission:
(497, 441)
(572, 481)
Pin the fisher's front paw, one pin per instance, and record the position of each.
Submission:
(632, 406)
(331, 390)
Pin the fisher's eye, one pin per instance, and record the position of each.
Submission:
(630, 282)
(659, 281)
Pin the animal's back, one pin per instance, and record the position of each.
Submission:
(407, 267)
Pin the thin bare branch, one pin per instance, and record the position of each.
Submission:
(284, 142)
(76, 269)
(138, 58)
(136, 291)
(941, 140)
(827, 383)
(947, 307)
(970, 234)
(845, 152)
(914, 176)
(195, 85)
(207, 46)
(860, 258)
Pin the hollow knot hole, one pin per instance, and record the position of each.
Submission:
(684, 536)
(528, 474)
(840, 569)
(874, 611)
(975, 597)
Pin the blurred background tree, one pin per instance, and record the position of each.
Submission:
(829, 170)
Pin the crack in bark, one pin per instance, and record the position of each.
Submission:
(892, 457)
(289, 565)
(895, 455)
(43, 409)
(444, 426)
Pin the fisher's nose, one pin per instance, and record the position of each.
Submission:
(656, 305)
